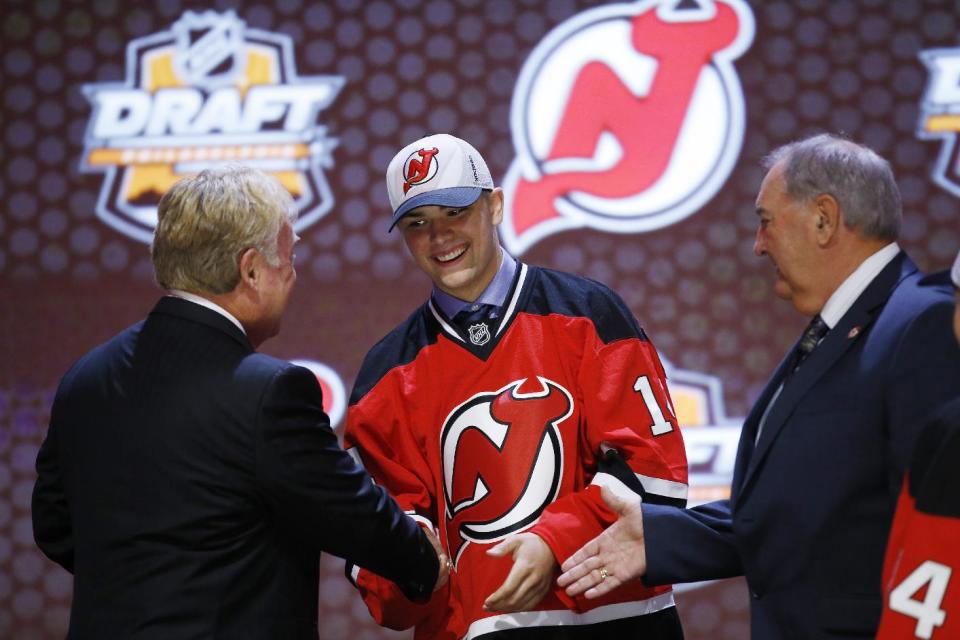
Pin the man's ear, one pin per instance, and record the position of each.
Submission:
(496, 206)
(828, 217)
(249, 265)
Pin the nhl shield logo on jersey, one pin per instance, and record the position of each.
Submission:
(208, 91)
(502, 460)
(939, 111)
(479, 334)
(626, 118)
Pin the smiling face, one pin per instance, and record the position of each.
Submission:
(787, 234)
(457, 248)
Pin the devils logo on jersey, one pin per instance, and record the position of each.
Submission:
(502, 461)
(626, 118)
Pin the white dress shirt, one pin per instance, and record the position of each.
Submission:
(203, 302)
(851, 288)
(840, 302)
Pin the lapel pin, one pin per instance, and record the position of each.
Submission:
(853, 333)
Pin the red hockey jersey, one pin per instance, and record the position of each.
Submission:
(481, 432)
(921, 574)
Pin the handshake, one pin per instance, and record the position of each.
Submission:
(611, 559)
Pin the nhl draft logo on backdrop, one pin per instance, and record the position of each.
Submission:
(940, 114)
(626, 118)
(420, 167)
(207, 91)
(502, 460)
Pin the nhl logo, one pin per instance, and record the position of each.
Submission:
(209, 48)
(207, 92)
(479, 334)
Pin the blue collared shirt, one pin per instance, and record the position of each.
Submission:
(495, 293)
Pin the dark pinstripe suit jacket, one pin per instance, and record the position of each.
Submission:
(190, 484)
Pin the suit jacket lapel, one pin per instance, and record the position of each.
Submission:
(748, 433)
(851, 327)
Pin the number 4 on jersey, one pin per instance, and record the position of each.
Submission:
(927, 612)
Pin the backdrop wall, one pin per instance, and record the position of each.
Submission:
(103, 104)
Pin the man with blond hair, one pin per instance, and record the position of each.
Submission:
(190, 483)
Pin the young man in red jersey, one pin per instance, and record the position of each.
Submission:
(496, 412)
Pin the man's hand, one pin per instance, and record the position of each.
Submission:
(612, 558)
(446, 566)
(530, 577)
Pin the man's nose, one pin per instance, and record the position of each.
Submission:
(440, 229)
(759, 246)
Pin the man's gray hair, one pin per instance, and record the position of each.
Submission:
(860, 180)
(206, 221)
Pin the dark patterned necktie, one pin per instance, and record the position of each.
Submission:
(811, 337)
(471, 315)
(476, 321)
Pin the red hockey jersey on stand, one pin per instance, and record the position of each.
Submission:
(921, 574)
(486, 431)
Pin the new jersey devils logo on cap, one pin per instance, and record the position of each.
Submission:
(502, 461)
(626, 118)
(419, 167)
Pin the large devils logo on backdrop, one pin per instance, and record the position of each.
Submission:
(502, 461)
(940, 114)
(626, 118)
(206, 92)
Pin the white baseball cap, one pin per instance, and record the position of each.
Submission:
(440, 170)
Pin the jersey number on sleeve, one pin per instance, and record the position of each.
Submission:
(927, 612)
(660, 424)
